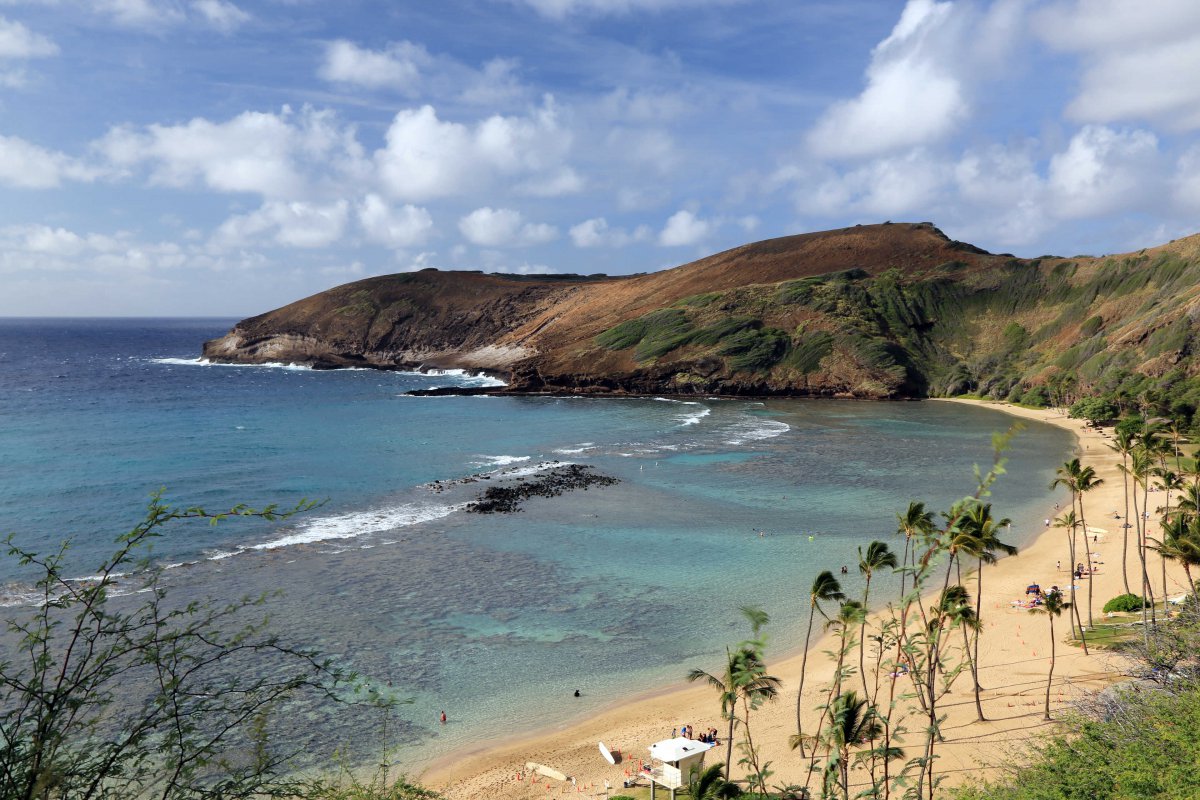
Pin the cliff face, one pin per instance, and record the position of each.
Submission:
(893, 310)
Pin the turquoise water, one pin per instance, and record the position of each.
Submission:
(496, 619)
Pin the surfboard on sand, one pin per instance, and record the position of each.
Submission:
(544, 771)
(608, 756)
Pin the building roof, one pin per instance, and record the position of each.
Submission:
(678, 749)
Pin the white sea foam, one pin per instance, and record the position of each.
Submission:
(693, 419)
(204, 362)
(499, 461)
(358, 523)
(464, 378)
(753, 430)
(524, 472)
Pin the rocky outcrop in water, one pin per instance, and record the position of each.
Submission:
(507, 498)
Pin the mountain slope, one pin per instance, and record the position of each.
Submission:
(892, 310)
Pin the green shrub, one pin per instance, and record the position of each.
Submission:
(1123, 602)
(1037, 396)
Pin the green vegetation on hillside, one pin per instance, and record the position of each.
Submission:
(1044, 331)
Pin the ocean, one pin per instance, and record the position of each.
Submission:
(495, 619)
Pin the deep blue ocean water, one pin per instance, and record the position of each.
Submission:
(496, 619)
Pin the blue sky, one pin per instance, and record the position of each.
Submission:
(224, 157)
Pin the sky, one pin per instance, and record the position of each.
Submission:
(225, 157)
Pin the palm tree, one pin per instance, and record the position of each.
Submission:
(1052, 607)
(850, 615)
(853, 723)
(1180, 542)
(825, 587)
(1070, 522)
(1124, 444)
(914, 522)
(745, 678)
(1140, 466)
(1168, 481)
(877, 557)
(984, 547)
(712, 785)
(1079, 480)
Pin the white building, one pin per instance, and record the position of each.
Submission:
(674, 763)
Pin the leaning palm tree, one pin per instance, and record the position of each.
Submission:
(1123, 443)
(1052, 607)
(745, 678)
(984, 547)
(825, 587)
(876, 557)
(914, 522)
(1071, 523)
(1079, 479)
(726, 688)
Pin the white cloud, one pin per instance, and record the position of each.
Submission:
(883, 187)
(221, 14)
(18, 42)
(597, 233)
(560, 9)
(288, 224)
(912, 95)
(921, 78)
(503, 227)
(394, 227)
(41, 248)
(683, 228)
(27, 166)
(1104, 170)
(269, 154)
(1138, 58)
(426, 157)
(397, 67)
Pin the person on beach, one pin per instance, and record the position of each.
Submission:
(443, 717)
(577, 693)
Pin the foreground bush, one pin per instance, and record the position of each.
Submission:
(1147, 747)
(1123, 602)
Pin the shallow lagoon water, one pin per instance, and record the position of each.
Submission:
(496, 619)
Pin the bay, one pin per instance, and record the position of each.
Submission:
(495, 619)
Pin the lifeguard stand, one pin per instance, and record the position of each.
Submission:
(675, 763)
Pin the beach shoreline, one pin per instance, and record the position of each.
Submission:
(1014, 654)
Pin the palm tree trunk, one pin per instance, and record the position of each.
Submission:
(978, 631)
(1161, 560)
(1125, 530)
(862, 639)
(1050, 678)
(1075, 605)
(1145, 577)
(729, 742)
(812, 611)
(1087, 549)
(1145, 546)
(1187, 570)
(904, 564)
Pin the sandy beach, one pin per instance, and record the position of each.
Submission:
(1014, 657)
